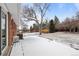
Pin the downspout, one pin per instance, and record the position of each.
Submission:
(0, 30)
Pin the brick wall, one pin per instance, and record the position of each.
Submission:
(11, 29)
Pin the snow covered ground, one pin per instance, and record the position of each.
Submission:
(33, 45)
(70, 39)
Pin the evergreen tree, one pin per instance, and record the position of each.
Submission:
(31, 28)
(56, 20)
(51, 26)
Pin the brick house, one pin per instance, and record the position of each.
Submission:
(8, 29)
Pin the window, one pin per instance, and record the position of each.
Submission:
(2, 30)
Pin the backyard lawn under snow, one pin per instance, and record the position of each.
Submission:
(33, 45)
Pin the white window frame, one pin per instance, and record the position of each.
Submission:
(5, 11)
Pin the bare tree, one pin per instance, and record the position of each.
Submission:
(31, 13)
(42, 8)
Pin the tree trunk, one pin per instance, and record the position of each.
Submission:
(40, 28)
(41, 23)
(40, 32)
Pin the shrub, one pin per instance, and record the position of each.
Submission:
(45, 30)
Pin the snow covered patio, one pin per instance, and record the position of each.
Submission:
(33, 45)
